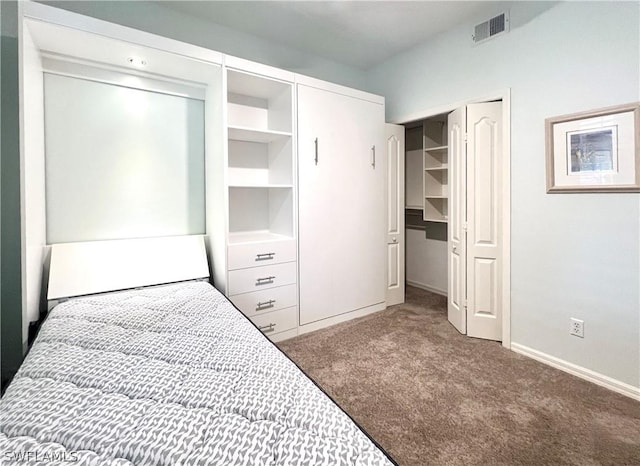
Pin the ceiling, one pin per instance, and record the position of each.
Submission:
(356, 33)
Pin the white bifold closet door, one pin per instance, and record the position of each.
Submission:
(475, 232)
(341, 160)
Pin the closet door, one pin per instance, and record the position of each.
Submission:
(457, 286)
(341, 206)
(484, 219)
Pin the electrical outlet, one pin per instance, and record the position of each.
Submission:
(576, 327)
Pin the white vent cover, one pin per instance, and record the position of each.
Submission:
(491, 28)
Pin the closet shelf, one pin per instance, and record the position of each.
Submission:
(436, 197)
(439, 220)
(433, 149)
(243, 133)
(441, 167)
(414, 207)
(259, 185)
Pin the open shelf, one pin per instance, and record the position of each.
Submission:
(265, 136)
(436, 160)
(442, 167)
(436, 149)
(435, 132)
(258, 185)
(415, 207)
(260, 209)
(436, 209)
(258, 164)
(436, 183)
(258, 102)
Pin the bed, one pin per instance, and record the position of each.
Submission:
(169, 375)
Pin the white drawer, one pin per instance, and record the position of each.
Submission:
(261, 278)
(241, 256)
(263, 301)
(277, 321)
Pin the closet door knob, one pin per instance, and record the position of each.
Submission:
(373, 153)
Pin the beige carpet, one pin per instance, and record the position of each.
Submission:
(430, 396)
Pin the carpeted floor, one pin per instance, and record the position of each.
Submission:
(431, 396)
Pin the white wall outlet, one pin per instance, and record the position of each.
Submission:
(576, 327)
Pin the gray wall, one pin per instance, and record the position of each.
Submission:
(10, 282)
(155, 18)
(573, 255)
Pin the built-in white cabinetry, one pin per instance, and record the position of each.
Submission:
(436, 170)
(427, 172)
(258, 268)
(251, 120)
(342, 160)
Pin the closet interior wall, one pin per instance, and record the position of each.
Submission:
(426, 203)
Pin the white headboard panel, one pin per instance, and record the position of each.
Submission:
(79, 269)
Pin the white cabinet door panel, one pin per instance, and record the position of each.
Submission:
(341, 160)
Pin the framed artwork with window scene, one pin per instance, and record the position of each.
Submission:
(594, 151)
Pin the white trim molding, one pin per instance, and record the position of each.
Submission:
(579, 371)
(424, 286)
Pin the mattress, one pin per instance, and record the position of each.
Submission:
(169, 375)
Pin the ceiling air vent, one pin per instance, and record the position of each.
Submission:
(491, 28)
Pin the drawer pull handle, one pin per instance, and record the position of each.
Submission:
(267, 328)
(266, 305)
(265, 257)
(265, 280)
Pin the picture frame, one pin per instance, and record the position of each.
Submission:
(594, 151)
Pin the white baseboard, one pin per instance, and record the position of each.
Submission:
(313, 326)
(579, 371)
(424, 286)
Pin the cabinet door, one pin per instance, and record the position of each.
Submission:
(341, 188)
(317, 167)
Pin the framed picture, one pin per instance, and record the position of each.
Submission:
(596, 151)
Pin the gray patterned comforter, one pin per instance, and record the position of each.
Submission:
(168, 375)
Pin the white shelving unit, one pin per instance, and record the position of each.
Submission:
(259, 274)
(260, 157)
(435, 170)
